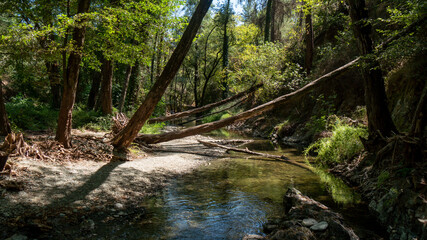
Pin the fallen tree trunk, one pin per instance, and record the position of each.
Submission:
(207, 127)
(179, 115)
(213, 113)
(282, 158)
(164, 137)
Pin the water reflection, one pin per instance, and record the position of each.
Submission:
(227, 199)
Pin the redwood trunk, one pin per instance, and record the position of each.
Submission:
(106, 96)
(125, 88)
(55, 83)
(4, 121)
(267, 27)
(94, 90)
(63, 132)
(128, 134)
(309, 43)
(379, 118)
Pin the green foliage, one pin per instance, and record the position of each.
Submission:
(267, 64)
(154, 128)
(342, 145)
(382, 178)
(91, 120)
(30, 114)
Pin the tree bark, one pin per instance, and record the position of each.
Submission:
(225, 45)
(125, 88)
(94, 90)
(122, 140)
(134, 86)
(204, 108)
(55, 83)
(379, 118)
(4, 121)
(309, 42)
(106, 96)
(267, 27)
(63, 132)
(207, 127)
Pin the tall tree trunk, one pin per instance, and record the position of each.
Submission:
(267, 27)
(4, 121)
(125, 88)
(63, 132)
(94, 89)
(309, 41)
(379, 118)
(225, 45)
(106, 96)
(130, 131)
(134, 86)
(196, 77)
(55, 83)
(273, 36)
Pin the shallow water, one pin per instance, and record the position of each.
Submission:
(232, 197)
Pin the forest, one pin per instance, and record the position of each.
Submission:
(225, 119)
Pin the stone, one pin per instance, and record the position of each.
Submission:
(118, 206)
(87, 225)
(268, 228)
(321, 226)
(294, 233)
(308, 222)
(62, 215)
(17, 237)
(253, 237)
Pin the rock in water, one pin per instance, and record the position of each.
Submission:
(308, 222)
(17, 237)
(253, 237)
(321, 226)
(118, 206)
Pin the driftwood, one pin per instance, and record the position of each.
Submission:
(294, 96)
(179, 115)
(265, 155)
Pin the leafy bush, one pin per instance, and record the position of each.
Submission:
(30, 114)
(343, 144)
(152, 128)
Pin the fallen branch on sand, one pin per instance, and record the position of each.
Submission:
(275, 157)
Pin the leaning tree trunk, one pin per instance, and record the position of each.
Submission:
(4, 121)
(379, 118)
(106, 97)
(63, 132)
(122, 140)
(125, 88)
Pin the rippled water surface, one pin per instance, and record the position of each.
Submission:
(228, 198)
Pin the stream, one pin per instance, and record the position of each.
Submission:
(231, 197)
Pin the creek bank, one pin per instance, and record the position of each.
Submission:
(396, 193)
(84, 199)
(306, 219)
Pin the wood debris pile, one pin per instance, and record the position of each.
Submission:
(45, 148)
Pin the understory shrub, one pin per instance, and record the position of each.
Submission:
(343, 144)
(30, 114)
